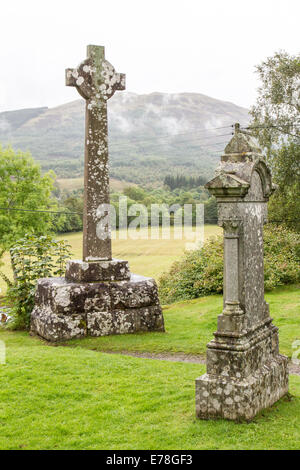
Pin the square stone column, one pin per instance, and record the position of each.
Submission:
(245, 372)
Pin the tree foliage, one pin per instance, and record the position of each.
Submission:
(200, 272)
(71, 217)
(183, 181)
(276, 123)
(33, 257)
(22, 186)
(276, 113)
(284, 205)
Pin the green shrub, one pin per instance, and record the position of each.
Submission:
(32, 258)
(200, 272)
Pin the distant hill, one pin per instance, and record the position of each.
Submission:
(150, 135)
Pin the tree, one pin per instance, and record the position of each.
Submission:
(135, 193)
(276, 123)
(276, 114)
(71, 222)
(284, 205)
(33, 257)
(211, 211)
(23, 187)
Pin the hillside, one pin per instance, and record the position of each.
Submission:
(150, 135)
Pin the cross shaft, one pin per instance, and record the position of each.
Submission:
(96, 81)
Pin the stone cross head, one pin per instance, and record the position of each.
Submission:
(95, 78)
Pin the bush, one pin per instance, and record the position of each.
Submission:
(32, 258)
(200, 272)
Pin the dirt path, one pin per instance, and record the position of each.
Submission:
(181, 357)
(164, 356)
(173, 357)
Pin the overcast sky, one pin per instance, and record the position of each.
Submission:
(208, 47)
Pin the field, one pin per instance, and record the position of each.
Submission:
(75, 396)
(146, 257)
(71, 184)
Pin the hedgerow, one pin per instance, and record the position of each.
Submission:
(200, 272)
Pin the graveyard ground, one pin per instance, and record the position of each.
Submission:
(190, 325)
(75, 396)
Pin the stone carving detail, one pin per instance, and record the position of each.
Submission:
(245, 372)
(231, 227)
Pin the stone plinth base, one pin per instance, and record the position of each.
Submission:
(241, 399)
(93, 271)
(66, 310)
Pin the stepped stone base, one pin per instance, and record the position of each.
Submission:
(240, 383)
(101, 270)
(66, 309)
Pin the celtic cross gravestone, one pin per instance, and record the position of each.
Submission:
(98, 296)
(96, 81)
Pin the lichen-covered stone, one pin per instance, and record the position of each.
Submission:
(96, 81)
(151, 318)
(111, 270)
(245, 372)
(241, 398)
(128, 320)
(134, 294)
(70, 297)
(67, 309)
(57, 326)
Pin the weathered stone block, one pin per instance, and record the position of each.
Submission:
(71, 297)
(135, 294)
(57, 327)
(83, 271)
(101, 323)
(69, 309)
(151, 318)
(241, 399)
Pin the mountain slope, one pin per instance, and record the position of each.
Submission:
(149, 135)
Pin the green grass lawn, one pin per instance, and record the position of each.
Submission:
(73, 398)
(190, 325)
(59, 397)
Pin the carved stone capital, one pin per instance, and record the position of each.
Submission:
(231, 227)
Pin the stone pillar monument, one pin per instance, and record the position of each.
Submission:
(96, 81)
(98, 296)
(245, 372)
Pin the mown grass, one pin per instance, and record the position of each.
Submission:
(73, 398)
(190, 325)
(146, 257)
(78, 397)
